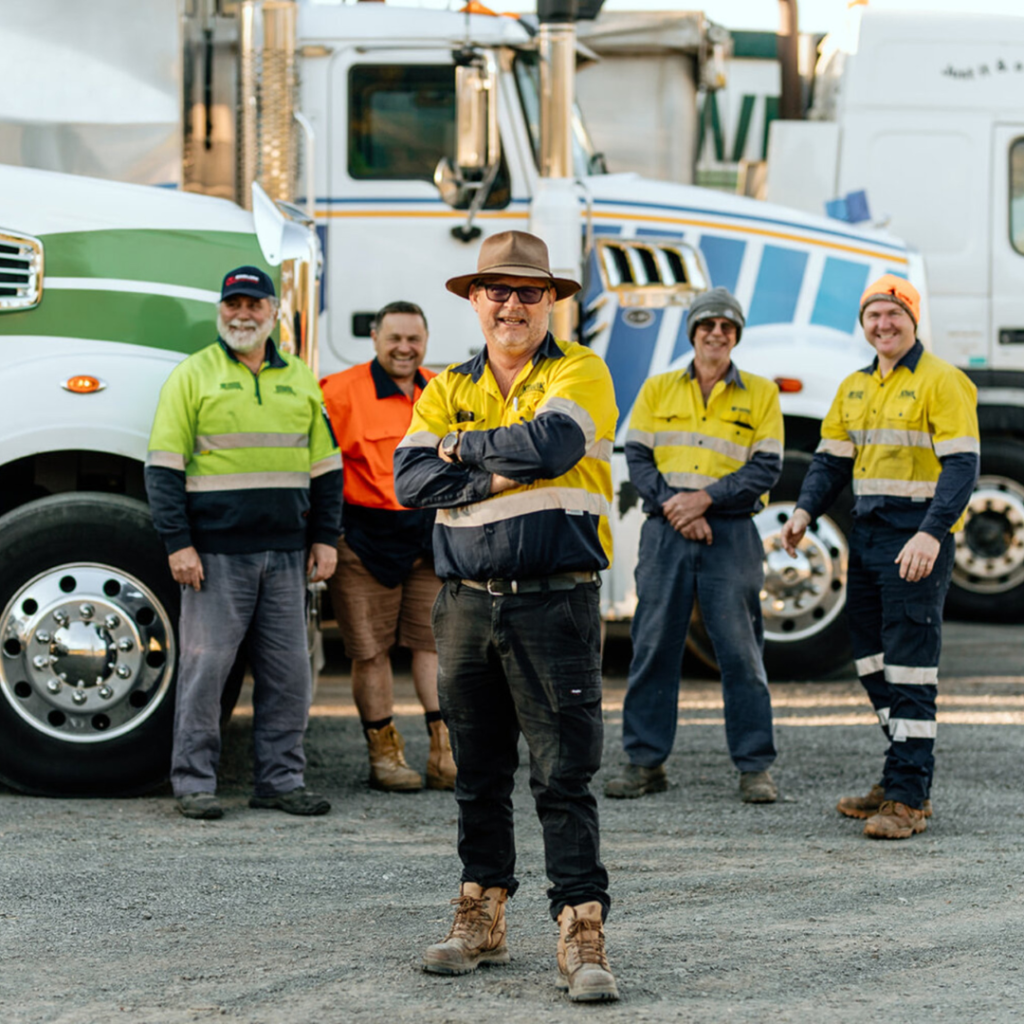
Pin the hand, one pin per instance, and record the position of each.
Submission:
(322, 561)
(917, 559)
(502, 483)
(187, 568)
(793, 531)
(698, 530)
(684, 507)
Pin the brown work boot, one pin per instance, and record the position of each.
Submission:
(477, 935)
(758, 788)
(582, 963)
(895, 821)
(866, 806)
(388, 768)
(440, 763)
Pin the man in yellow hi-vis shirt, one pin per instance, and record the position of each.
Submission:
(905, 430)
(513, 449)
(704, 447)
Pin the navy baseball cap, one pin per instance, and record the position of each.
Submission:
(249, 281)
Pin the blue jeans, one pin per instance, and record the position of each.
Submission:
(530, 664)
(726, 577)
(896, 635)
(263, 594)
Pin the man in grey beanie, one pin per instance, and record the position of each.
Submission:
(704, 448)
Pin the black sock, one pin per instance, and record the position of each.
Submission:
(380, 724)
(431, 717)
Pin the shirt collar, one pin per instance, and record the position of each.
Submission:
(270, 354)
(475, 367)
(732, 375)
(910, 359)
(385, 383)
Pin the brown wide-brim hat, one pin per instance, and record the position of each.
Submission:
(513, 254)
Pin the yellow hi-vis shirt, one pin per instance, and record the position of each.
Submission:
(553, 434)
(896, 430)
(723, 447)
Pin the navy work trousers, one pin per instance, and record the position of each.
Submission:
(525, 664)
(263, 594)
(726, 577)
(896, 633)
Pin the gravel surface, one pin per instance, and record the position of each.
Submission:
(121, 910)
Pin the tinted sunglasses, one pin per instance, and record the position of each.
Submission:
(529, 295)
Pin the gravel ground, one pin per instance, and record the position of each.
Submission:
(117, 910)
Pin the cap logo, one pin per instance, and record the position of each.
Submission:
(241, 277)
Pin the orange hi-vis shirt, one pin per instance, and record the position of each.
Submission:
(369, 414)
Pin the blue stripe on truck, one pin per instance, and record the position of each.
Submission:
(778, 286)
(838, 301)
(629, 356)
(724, 257)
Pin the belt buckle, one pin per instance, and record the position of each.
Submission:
(513, 588)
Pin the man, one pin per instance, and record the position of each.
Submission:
(704, 447)
(513, 449)
(905, 429)
(385, 584)
(244, 479)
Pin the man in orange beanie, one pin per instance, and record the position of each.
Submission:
(905, 430)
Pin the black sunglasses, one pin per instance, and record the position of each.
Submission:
(529, 294)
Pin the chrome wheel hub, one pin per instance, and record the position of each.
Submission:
(87, 652)
(801, 596)
(989, 556)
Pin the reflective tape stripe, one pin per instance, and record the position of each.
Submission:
(328, 465)
(872, 663)
(767, 446)
(213, 442)
(901, 729)
(690, 481)
(883, 717)
(245, 482)
(642, 437)
(841, 449)
(957, 446)
(692, 439)
(911, 675)
(421, 439)
(575, 412)
(895, 438)
(510, 506)
(601, 450)
(896, 488)
(166, 460)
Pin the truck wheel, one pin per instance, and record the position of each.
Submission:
(988, 567)
(803, 598)
(88, 647)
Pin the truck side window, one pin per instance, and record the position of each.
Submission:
(1017, 195)
(402, 121)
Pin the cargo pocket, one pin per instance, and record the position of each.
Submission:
(913, 634)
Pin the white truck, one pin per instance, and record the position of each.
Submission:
(422, 130)
(925, 113)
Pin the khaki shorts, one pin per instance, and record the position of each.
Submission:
(373, 618)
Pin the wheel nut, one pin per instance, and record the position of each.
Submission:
(79, 696)
(60, 617)
(106, 692)
(125, 643)
(54, 685)
(42, 637)
(112, 621)
(86, 611)
(124, 671)
(41, 661)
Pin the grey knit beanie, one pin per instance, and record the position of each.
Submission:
(717, 302)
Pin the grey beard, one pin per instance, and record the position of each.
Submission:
(246, 341)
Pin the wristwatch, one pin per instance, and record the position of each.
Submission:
(450, 445)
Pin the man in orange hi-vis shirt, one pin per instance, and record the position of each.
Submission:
(384, 586)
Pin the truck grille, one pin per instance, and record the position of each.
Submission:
(647, 273)
(21, 271)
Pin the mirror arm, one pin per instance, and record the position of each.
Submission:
(468, 232)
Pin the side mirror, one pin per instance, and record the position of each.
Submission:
(450, 183)
(475, 102)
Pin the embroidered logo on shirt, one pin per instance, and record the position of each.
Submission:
(283, 389)
(855, 394)
(532, 387)
(908, 394)
(231, 385)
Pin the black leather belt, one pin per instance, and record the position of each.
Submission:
(538, 584)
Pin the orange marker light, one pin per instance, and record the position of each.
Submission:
(83, 384)
(789, 385)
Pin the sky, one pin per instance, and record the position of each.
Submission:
(815, 15)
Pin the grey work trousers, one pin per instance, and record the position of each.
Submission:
(264, 595)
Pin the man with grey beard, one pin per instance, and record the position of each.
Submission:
(244, 481)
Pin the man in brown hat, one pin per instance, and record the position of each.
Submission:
(513, 449)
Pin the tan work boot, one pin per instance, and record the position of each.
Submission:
(582, 963)
(440, 763)
(477, 935)
(758, 788)
(865, 806)
(388, 768)
(895, 821)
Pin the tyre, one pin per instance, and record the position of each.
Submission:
(988, 567)
(803, 598)
(88, 647)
